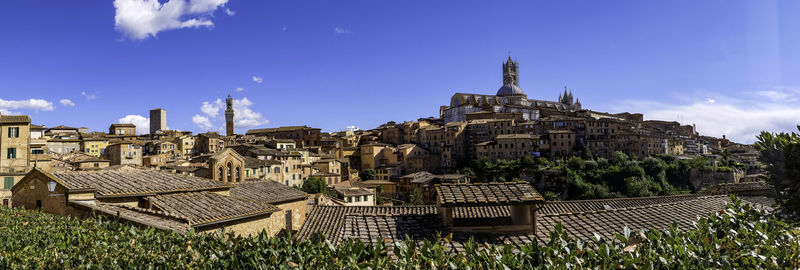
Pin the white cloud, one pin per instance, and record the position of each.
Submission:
(341, 31)
(777, 95)
(239, 89)
(202, 122)
(35, 104)
(352, 128)
(211, 109)
(88, 96)
(230, 12)
(67, 103)
(244, 116)
(142, 123)
(140, 19)
(710, 100)
(740, 119)
(257, 79)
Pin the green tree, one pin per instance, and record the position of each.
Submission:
(618, 158)
(315, 185)
(587, 154)
(779, 152)
(367, 174)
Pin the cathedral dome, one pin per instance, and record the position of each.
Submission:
(510, 90)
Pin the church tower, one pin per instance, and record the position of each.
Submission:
(229, 116)
(510, 86)
(510, 70)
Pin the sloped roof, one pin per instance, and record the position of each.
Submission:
(370, 223)
(486, 194)
(329, 220)
(137, 215)
(134, 182)
(267, 192)
(8, 119)
(200, 208)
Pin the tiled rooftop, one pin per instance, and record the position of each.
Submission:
(199, 208)
(607, 223)
(134, 182)
(14, 119)
(140, 216)
(485, 194)
(267, 192)
(581, 220)
(329, 220)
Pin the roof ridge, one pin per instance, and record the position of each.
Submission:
(633, 207)
(629, 198)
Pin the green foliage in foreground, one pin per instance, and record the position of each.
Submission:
(780, 152)
(739, 237)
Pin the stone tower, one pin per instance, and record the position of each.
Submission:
(158, 120)
(510, 70)
(229, 116)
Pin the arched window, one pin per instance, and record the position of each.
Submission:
(219, 174)
(238, 174)
(230, 173)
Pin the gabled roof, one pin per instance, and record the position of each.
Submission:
(134, 182)
(486, 194)
(267, 192)
(205, 208)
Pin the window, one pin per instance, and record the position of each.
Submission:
(8, 183)
(13, 132)
(11, 153)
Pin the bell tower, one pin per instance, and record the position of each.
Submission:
(229, 116)
(510, 70)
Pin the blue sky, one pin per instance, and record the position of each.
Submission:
(732, 67)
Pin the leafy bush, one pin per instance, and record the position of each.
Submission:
(739, 237)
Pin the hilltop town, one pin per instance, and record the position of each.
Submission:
(397, 179)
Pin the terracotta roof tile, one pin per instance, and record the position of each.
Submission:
(135, 182)
(14, 119)
(485, 194)
(329, 220)
(199, 208)
(267, 192)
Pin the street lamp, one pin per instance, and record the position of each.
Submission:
(51, 186)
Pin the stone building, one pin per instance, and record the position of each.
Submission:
(15, 139)
(158, 120)
(226, 166)
(512, 146)
(209, 142)
(509, 99)
(124, 153)
(291, 201)
(122, 129)
(304, 136)
(94, 146)
(159, 199)
(562, 143)
(378, 155)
